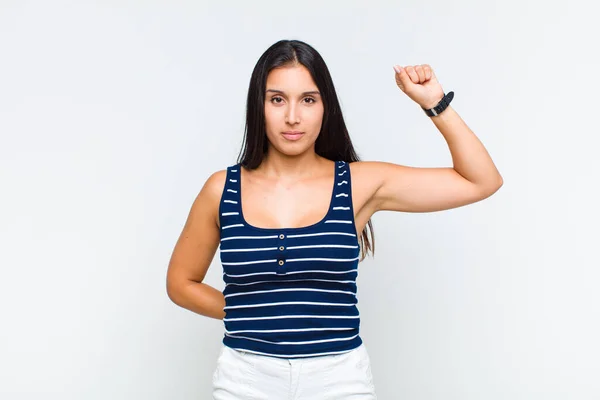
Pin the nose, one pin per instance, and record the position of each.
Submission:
(291, 116)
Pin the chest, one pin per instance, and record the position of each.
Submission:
(272, 205)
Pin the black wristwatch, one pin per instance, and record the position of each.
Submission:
(441, 106)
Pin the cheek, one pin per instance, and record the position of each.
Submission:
(317, 118)
(318, 112)
(272, 115)
(268, 118)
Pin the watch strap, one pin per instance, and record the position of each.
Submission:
(441, 106)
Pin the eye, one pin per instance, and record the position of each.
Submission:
(278, 100)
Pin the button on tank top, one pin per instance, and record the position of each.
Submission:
(290, 292)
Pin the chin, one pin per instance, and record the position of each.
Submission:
(293, 152)
(293, 149)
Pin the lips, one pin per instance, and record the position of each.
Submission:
(292, 135)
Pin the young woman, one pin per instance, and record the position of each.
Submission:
(292, 218)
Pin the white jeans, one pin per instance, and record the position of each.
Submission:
(240, 375)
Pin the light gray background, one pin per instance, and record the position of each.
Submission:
(114, 113)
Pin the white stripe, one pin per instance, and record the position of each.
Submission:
(294, 272)
(321, 271)
(252, 274)
(290, 330)
(249, 237)
(249, 262)
(293, 316)
(321, 234)
(232, 226)
(230, 213)
(341, 208)
(321, 259)
(289, 290)
(287, 303)
(232, 191)
(342, 173)
(232, 201)
(305, 342)
(233, 180)
(342, 194)
(313, 246)
(241, 250)
(234, 170)
(290, 280)
(337, 221)
(293, 355)
(343, 183)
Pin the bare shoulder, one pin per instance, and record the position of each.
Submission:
(367, 178)
(215, 184)
(372, 166)
(375, 173)
(209, 198)
(369, 174)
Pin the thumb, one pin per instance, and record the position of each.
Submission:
(402, 79)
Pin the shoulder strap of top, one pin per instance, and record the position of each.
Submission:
(229, 209)
(342, 194)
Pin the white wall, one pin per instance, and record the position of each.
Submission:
(113, 113)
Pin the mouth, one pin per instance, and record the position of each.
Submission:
(292, 135)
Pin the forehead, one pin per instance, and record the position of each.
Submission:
(291, 79)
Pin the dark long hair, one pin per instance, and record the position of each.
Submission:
(333, 141)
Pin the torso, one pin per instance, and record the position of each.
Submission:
(290, 264)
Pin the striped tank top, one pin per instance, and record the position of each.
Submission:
(290, 292)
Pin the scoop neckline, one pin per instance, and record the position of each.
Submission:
(301, 228)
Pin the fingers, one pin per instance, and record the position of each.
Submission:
(402, 78)
(428, 72)
(419, 73)
(412, 74)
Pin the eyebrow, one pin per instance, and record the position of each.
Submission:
(313, 92)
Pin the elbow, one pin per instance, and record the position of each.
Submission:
(173, 291)
(499, 183)
(493, 186)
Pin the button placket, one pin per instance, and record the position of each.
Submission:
(281, 255)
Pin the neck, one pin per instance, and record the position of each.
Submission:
(278, 165)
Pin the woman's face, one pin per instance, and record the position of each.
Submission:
(293, 110)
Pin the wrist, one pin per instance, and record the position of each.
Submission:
(432, 104)
(439, 107)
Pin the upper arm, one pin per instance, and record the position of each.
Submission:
(395, 187)
(199, 239)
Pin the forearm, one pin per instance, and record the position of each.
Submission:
(201, 299)
(469, 156)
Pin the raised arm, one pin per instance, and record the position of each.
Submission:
(195, 250)
(473, 176)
